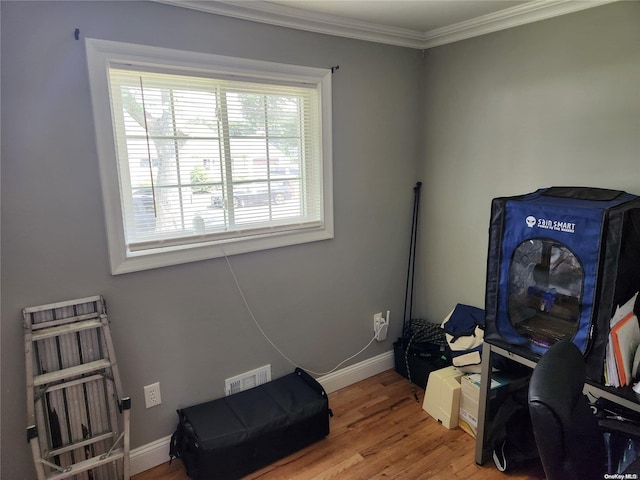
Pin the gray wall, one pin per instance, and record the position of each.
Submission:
(550, 103)
(186, 326)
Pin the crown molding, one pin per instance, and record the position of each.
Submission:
(507, 18)
(284, 16)
(290, 17)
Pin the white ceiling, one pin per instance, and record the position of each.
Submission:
(419, 16)
(409, 23)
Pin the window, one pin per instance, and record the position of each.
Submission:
(202, 155)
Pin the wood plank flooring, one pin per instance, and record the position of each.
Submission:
(378, 431)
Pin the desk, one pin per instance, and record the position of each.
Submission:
(622, 396)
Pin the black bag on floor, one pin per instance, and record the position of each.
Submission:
(422, 352)
(511, 434)
(232, 436)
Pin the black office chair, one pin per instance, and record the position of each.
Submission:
(570, 440)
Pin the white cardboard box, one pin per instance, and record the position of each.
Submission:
(442, 396)
(470, 397)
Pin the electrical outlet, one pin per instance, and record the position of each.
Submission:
(377, 319)
(380, 326)
(152, 395)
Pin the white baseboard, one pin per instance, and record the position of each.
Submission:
(157, 452)
(359, 371)
(149, 455)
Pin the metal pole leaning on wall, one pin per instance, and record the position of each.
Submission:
(408, 297)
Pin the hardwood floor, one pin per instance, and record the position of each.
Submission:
(378, 431)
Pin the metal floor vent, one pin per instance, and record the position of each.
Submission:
(247, 380)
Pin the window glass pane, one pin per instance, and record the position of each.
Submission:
(196, 145)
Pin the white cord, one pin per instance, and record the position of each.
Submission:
(253, 317)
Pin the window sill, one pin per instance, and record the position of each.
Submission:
(128, 261)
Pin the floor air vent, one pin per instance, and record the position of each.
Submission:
(247, 380)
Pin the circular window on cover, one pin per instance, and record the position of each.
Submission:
(545, 291)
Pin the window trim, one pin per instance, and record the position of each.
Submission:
(100, 54)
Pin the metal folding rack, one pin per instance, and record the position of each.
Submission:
(78, 420)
